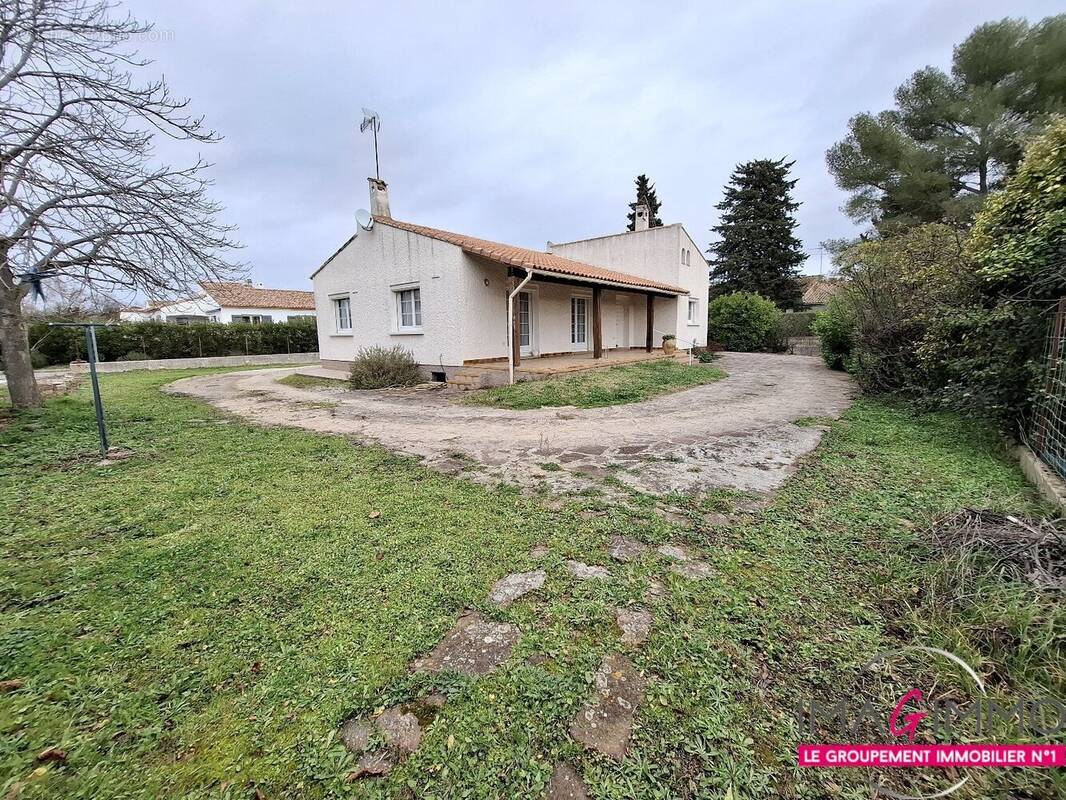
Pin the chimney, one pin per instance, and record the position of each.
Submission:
(641, 213)
(379, 198)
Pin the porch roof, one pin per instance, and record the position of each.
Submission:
(541, 262)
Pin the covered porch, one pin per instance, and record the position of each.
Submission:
(570, 323)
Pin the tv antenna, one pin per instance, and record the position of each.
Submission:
(373, 121)
(365, 220)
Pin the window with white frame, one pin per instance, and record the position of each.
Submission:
(693, 311)
(342, 314)
(408, 309)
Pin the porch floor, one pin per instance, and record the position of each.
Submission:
(575, 362)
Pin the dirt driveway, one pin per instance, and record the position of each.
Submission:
(738, 432)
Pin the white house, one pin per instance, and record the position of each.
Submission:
(446, 296)
(228, 302)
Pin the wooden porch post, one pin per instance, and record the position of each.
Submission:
(651, 322)
(597, 332)
(516, 325)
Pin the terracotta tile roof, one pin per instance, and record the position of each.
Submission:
(534, 259)
(158, 304)
(241, 295)
(817, 290)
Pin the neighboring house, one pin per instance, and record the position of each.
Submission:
(228, 302)
(818, 290)
(444, 296)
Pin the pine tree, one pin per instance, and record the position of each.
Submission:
(646, 195)
(758, 251)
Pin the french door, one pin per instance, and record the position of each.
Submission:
(579, 323)
(525, 323)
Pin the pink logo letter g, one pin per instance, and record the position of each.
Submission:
(911, 721)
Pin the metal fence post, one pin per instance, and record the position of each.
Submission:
(101, 426)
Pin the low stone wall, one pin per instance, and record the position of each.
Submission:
(1050, 485)
(79, 367)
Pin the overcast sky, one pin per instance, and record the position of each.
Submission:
(524, 122)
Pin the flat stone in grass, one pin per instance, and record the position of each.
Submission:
(566, 784)
(372, 765)
(509, 588)
(752, 505)
(399, 728)
(656, 590)
(624, 548)
(475, 646)
(586, 572)
(605, 725)
(694, 570)
(635, 624)
(539, 551)
(674, 551)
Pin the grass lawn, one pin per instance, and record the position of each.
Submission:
(197, 620)
(311, 382)
(608, 387)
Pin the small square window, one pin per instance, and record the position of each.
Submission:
(409, 309)
(342, 313)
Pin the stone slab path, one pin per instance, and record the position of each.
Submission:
(474, 647)
(737, 432)
(605, 724)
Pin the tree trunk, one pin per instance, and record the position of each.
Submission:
(15, 345)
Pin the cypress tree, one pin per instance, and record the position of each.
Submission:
(646, 195)
(757, 249)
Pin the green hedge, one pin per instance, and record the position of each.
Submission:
(166, 340)
(797, 323)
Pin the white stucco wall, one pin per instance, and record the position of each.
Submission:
(464, 297)
(206, 307)
(226, 313)
(656, 254)
(369, 268)
(196, 306)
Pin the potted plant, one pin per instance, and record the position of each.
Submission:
(669, 344)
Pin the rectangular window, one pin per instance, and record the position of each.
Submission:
(247, 319)
(342, 313)
(409, 309)
(693, 311)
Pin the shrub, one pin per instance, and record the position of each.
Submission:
(895, 286)
(742, 321)
(795, 324)
(705, 355)
(166, 340)
(835, 328)
(133, 355)
(384, 368)
(37, 359)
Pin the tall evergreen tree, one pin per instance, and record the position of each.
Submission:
(758, 251)
(646, 195)
(955, 136)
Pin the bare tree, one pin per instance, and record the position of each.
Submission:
(81, 194)
(69, 298)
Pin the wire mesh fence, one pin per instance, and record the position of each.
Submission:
(1048, 433)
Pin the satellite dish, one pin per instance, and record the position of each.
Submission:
(362, 216)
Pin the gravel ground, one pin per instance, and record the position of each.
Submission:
(738, 432)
